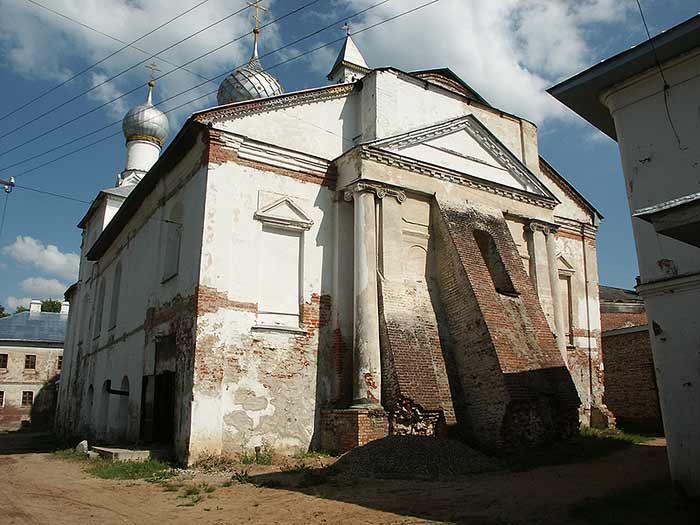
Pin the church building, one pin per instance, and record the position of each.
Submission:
(386, 254)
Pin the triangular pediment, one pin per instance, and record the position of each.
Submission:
(466, 146)
(284, 212)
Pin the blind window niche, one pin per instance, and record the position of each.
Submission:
(280, 277)
(116, 289)
(281, 268)
(99, 307)
(173, 240)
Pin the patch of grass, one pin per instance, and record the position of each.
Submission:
(297, 468)
(648, 504)
(192, 490)
(149, 470)
(227, 483)
(70, 454)
(262, 455)
(208, 489)
(209, 462)
(588, 444)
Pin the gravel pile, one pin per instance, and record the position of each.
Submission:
(414, 457)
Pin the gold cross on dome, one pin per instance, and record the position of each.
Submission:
(153, 68)
(257, 7)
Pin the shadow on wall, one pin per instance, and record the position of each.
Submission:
(43, 408)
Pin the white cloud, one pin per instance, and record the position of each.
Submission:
(42, 288)
(12, 302)
(510, 50)
(47, 258)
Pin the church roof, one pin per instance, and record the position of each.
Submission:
(120, 192)
(350, 56)
(44, 327)
(446, 78)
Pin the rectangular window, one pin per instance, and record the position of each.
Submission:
(173, 239)
(59, 364)
(116, 287)
(97, 328)
(27, 398)
(3, 360)
(568, 309)
(2, 399)
(30, 362)
(280, 277)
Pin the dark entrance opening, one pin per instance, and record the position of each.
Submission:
(158, 395)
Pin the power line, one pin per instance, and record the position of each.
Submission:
(85, 70)
(296, 57)
(52, 194)
(55, 128)
(83, 93)
(209, 80)
(126, 44)
(667, 87)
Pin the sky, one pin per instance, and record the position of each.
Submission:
(510, 51)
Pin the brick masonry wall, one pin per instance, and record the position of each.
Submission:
(630, 381)
(414, 375)
(615, 320)
(517, 389)
(342, 430)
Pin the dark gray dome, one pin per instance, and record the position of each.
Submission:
(247, 83)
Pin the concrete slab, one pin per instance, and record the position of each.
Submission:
(128, 454)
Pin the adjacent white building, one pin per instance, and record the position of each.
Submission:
(385, 254)
(646, 99)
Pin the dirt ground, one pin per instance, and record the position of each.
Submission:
(42, 488)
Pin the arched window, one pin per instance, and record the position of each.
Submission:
(116, 289)
(494, 263)
(99, 306)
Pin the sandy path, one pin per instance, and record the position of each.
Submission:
(40, 488)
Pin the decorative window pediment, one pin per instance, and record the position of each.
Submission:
(284, 213)
(564, 267)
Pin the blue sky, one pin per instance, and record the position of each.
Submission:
(510, 51)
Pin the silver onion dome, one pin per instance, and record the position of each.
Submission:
(146, 122)
(248, 82)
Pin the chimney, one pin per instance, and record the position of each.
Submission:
(35, 306)
(65, 307)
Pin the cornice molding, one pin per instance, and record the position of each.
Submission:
(684, 283)
(482, 136)
(398, 161)
(265, 105)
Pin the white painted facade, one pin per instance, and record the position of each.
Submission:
(659, 168)
(284, 215)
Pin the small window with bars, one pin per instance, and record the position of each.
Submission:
(30, 362)
(3, 360)
(27, 398)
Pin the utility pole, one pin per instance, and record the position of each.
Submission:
(7, 185)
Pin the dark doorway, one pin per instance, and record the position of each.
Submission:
(164, 408)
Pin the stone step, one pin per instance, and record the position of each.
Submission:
(129, 454)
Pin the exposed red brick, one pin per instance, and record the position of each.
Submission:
(630, 381)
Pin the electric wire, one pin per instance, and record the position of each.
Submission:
(130, 68)
(140, 86)
(103, 139)
(53, 194)
(111, 37)
(210, 80)
(85, 70)
(667, 87)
